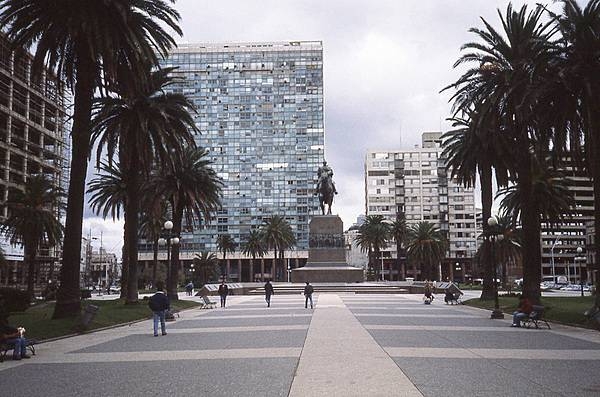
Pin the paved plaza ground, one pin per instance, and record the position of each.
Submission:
(349, 345)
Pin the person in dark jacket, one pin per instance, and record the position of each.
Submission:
(159, 304)
(308, 291)
(268, 292)
(223, 292)
(10, 335)
(525, 308)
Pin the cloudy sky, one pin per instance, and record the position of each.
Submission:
(384, 65)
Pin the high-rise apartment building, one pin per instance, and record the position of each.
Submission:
(415, 182)
(260, 114)
(33, 140)
(561, 239)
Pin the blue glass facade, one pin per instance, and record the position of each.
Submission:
(260, 114)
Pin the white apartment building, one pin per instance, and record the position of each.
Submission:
(415, 182)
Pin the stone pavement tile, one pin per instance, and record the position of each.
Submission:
(429, 321)
(233, 322)
(521, 354)
(232, 378)
(535, 339)
(570, 378)
(341, 359)
(443, 377)
(217, 340)
(254, 328)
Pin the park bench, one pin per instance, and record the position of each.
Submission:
(535, 317)
(207, 303)
(453, 298)
(6, 347)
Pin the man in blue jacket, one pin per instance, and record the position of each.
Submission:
(159, 304)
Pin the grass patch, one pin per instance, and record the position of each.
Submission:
(564, 309)
(39, 324)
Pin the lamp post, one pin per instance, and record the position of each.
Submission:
(492, 236)
(552, 260)
(168, 240)
(578, 258)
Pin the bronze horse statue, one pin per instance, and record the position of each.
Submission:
(326, 193)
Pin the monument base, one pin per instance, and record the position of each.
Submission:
(327, 274)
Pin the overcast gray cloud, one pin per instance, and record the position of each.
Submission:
(384, 65)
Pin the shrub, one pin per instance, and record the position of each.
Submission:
(86, 293)
(16, 300)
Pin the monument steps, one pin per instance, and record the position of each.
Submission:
(295, 289)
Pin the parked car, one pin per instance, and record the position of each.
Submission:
(114, 289)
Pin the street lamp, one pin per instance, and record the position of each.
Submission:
(552, 260)
(168, 240)
(493, 237)
(579, 258)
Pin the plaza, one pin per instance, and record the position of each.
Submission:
(349, 345)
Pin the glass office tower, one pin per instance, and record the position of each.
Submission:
(260, 114)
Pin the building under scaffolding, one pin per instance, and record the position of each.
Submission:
(33, 140)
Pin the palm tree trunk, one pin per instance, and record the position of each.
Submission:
(131, 225)
(29, 254)
(172, 287)
(531, 236)
(154, 259)
(485, 176)
(595, 168)
(124, 266)
(68, 297)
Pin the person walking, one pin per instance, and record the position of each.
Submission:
(268, 292)
(189, 288)
(159, 304)
(223, 292)
(308, 291)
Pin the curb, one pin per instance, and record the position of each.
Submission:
(129, 324)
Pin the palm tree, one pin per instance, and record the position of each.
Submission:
(506, 88)
(108, 197)
(151, 225)
(86, 43)
(147, 127)
(193, 191)
(469, 151)
(278, 236)
(426, 246)
(579, 94)
(553, 199)
(225, 244)
(399, 231)
(206, 263)
(254, 246)
(32, 220)
(373, 235)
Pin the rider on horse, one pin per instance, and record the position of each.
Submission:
(324, 172)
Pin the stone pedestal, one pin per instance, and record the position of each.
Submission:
(326, 254)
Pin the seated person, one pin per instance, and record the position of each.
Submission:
(523, 311)
(449, 296)
(11, 335)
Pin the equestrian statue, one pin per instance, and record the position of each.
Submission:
(325, 187)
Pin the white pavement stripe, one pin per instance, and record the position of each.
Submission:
(250, 309)
(414, 315)
(171, 355)
(443, 328)
(237, 329)
(514, 354)
(411, 307)
(252, 316)
(340, 358)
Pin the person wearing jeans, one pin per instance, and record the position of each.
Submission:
(159, 304)
(523, 311)
(308, 291)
